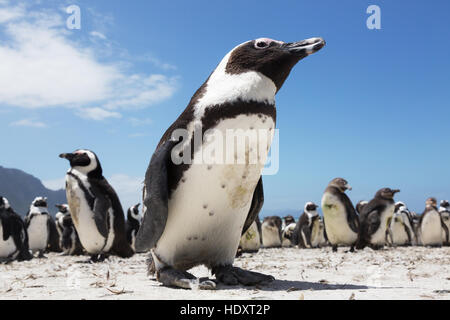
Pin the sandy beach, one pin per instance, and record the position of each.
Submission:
(391, 273)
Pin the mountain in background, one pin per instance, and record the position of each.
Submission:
(20, 188)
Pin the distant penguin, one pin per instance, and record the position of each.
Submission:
(271, 232)
(431, 225)
(133, 224)
(13, 234)
(287, 229)
(38, 226)
(63, 210)
(340, 218)
(444, 210)
(70, 242)
(251, 239)
(360, 206)
(54, 237)
(287, 220)
(400, 229)
(374, 219)
(318, 239)
(95, 207)
(307, 225)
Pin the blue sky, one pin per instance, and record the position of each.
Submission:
(372, 106)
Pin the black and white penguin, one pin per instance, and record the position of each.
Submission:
(63, 210)
(271, 232)
(13, 234)
(95, 207)
(196, 211)
(444, 210)
(287, 231)
(374, 219)
(432, 226)
(400, 227)
(251, 239)
(340, 218)
(307, 225)
(54, 237)
(70, 242)
(37, 222)
(133, 224)
(318, 237)
(360, 206)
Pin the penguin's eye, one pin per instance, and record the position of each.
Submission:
(261, 44)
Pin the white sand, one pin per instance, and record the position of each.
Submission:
(392, 273)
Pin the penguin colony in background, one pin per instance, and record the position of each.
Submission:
(206, 214)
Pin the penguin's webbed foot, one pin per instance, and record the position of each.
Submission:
(99, 257)
(41, 255)
(334, 248)
(230, 275)
(182, 279)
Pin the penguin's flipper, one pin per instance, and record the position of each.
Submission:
(255, 207)
(4, 219)
(373, 222)
(444, 226)
(156, 198)
(352, 216)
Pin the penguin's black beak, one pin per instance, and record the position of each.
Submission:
(305, 47)
(395, 191)
(68, 156)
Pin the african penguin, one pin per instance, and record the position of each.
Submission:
(271, 232)
(70, 242)
(133, 224)
(54, 237)
(307, 225)
(63, 210)
(375, 218)
(431, 225)
(196, 209)
(37, 222)
(444, 210)
(13, 234)
(340, 218)
(318, 238)
(251, 239)
(400, 229)
(95, 207)
(360, 206)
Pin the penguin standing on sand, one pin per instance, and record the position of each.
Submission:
(95, 207)
(360, 206)
(195, 211)
(70, 242)
(38, 226)
(432, 226)
(13, 234)
(271, 232)
(133, 224)
(444, 210)
(307, 225)
(54, 237)
(374, 219)
(251, 239)
(340, 218)
(401, 230)
(63, 210)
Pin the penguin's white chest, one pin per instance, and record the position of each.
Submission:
(83, 217)
(431, 229)
(7, 248)
(399, 235)
(38, 232)
(287, 232)
(336, 224)
(270, 236)
(317, 234)
(208, 208)
(250, 240)
(379, 237)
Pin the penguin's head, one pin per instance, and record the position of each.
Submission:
(273, 222)
(84, 161)
(398, 205)
(311, 208)
(40, 202)
(431, 202)
(445, 204)
(133, 212)
(360, 205)
(341, 184)
(386, 193)
(4, 203)
(63, 208)
(272, 58)
(288, 220)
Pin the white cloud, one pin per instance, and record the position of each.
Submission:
(136, 122)
(55, 184)
(97, 114)
(41, 66)
(28, 123)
